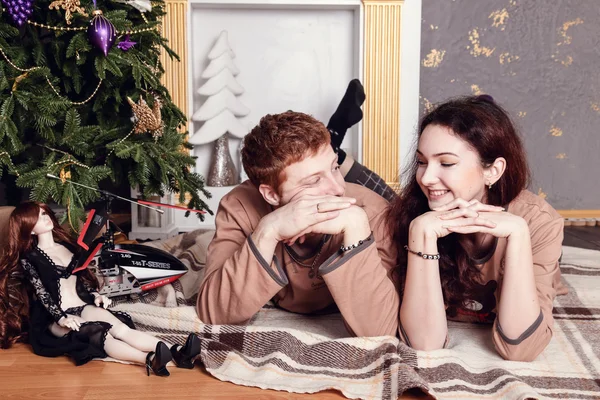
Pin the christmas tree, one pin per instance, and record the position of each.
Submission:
(81, 98)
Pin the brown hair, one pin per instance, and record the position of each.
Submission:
(488, 129)
(15, 289)
(278, 141)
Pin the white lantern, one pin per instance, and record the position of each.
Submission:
(148, 224)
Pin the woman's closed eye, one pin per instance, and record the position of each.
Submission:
(446, 165)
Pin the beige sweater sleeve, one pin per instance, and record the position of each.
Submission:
(238, 281)
(361, 283)
(546, 230)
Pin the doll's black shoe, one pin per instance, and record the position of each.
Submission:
(158, 363)
(184, 356)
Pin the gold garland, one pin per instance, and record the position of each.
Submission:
(118, 143)
(64, 28)
(14, 66)
(76, 103)
(70, 159)
(5, 153)
(55, 28)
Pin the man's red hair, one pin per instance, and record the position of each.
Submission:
(278, 141)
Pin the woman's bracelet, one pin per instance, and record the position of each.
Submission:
(424, 256)
(360, 242)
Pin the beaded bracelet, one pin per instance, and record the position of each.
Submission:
(424, 256)
(353, 246)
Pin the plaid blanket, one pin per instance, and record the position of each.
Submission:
(306, 354)
(273, 351)
(569, 368)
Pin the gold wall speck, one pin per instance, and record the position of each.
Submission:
(566, 39)
(382, 57)
(507, 58)
(476, 49)
(427, 105)
(434, 58)
(476, 90)
(542, 194)
(555, 131)
(173, 28)
(499, 18)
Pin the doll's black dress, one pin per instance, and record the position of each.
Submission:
(83, 345)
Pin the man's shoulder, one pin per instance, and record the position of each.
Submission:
(245, 197)
(244, 190)
(367, 199)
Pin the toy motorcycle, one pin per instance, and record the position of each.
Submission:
(124, 269)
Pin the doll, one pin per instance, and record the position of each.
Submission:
(60, 311)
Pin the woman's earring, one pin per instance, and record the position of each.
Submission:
(490, 186)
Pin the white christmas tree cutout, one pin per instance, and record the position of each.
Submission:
(218, 64)
(222, 109)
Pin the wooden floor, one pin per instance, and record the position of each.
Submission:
(582, 236)
(23, 375)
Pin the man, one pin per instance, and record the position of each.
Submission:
(297, 234)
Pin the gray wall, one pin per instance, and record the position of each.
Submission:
(540, 59)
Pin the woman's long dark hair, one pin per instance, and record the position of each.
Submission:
(15, 289)
(488, 129)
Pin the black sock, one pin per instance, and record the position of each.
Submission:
(346, 115)
(341, 155)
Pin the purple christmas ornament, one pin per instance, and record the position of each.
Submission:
(19, 10)
(101, 32)
(126, 44)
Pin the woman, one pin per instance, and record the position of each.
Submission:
(68, 315)
(474, 244)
